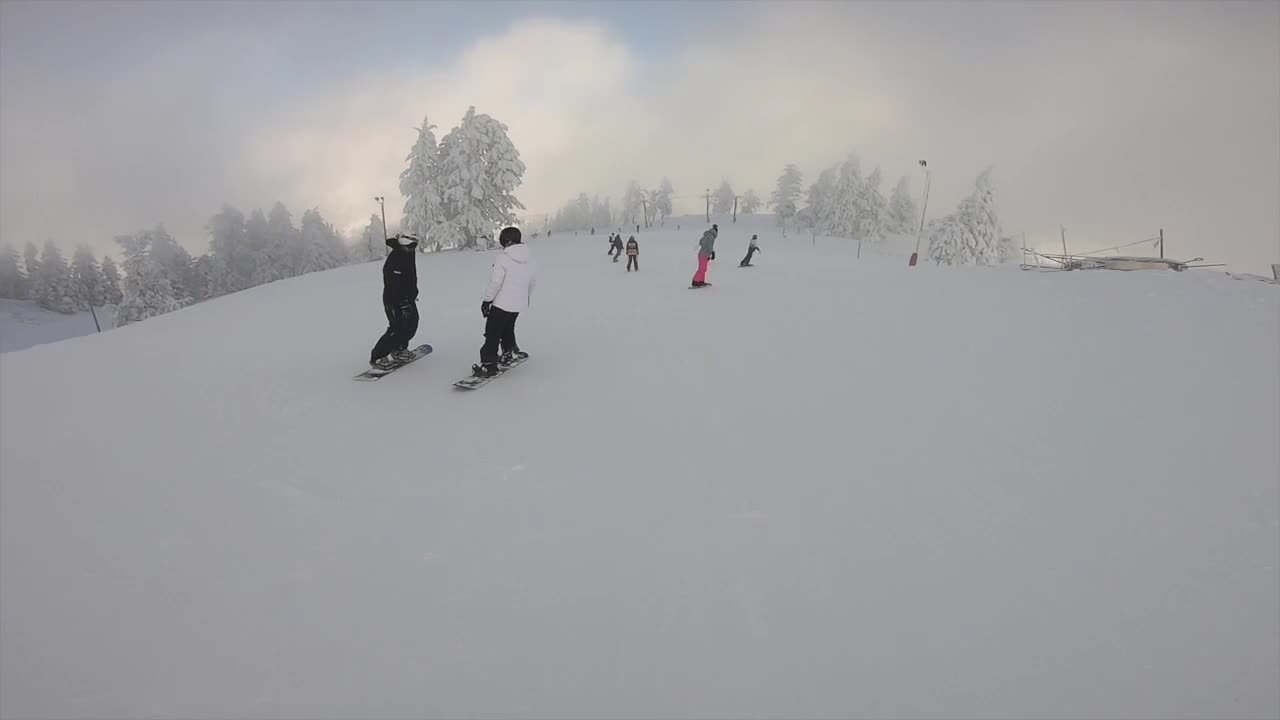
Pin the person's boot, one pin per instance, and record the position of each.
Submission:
(402, 356)
(485, 370)
(383, 363)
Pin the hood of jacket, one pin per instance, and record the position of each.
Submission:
(518, 252)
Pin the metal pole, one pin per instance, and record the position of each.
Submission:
(708, 204)
(735, 208)
(1161, 243)
(1064, 242)
(915, 256)
(95, 316)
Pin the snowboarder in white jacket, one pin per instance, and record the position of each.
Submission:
(508, 293)
(752, 248)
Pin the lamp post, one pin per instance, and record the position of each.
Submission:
(924, 207)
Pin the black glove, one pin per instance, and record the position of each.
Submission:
(484, 308)
(713, 254)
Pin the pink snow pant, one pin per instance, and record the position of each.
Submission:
(701, 275)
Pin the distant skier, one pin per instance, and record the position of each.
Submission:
(706, 253)
(633, 254)
(617, 247)
(637, 227)
(752, 248)
(399, 300)
(508, 293)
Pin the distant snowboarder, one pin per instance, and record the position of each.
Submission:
(508, 293)
(633, 254)
(399, 300)
(617, 247)
(706, 253)
(752, 248)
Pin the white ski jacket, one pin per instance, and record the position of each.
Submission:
(512, 278)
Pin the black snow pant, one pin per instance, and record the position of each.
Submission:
(633, 263)
(499, 332)
(402, 325)
(747, 260)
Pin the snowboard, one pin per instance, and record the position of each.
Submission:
(374, 373)
(471, 382)
(699, 287)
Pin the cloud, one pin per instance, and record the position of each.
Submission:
(1112, 119)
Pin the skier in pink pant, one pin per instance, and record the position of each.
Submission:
(706, 253)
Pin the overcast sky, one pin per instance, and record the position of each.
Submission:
(1112, 119)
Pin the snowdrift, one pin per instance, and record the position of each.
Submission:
(823, 487)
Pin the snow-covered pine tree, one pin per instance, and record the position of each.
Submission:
(147, 291)
(632, 204)
(842, 212)
(52, 287)
(873, 210)
(31, 264)
(420, 184)
(662, 200)
(601, 215)
(175, 261)
(971, 234)
(480, 170)
(86, 279)
(785, 198)
(318, 244)
(750, 203)
(275, 261)
(13, 284)
(902, 208)
(722, 201)
(111, 292)
(369, 244)
(231, 265)
(821, 194)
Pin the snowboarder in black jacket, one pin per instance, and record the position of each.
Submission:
(399, 301)
(617, 247)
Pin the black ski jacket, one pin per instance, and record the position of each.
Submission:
(399, 277)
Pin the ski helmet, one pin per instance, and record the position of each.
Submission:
(407, 239)
(509, 236)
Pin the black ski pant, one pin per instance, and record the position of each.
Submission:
(747, 260)
(633, 263)
(402, 325)
(499, 332)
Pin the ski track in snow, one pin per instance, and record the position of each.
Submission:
(824, 488)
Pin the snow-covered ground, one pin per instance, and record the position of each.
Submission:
(24, 324)
(823, 487)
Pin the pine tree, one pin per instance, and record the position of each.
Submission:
(232, 257)
(174, 261)
(786, 195)
(52, 286)
(970, 235)
(110, 281)
(319, 247)
(722, 201)
(902, 208)
(632, 203)
(275, 259)
(86, 279)
(842, 212)
(873, 210)
(750, 202)
(821, 195)
(370, 244)
(147, 291)
(13, 284)
(420, 183)
(662, 199)
(479, 172)
(31, 264)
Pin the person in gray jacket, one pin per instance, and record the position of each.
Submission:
(706, 253)
(752, 248)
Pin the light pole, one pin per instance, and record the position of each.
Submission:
(708, 204)
(924, 207)
(382, 203)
